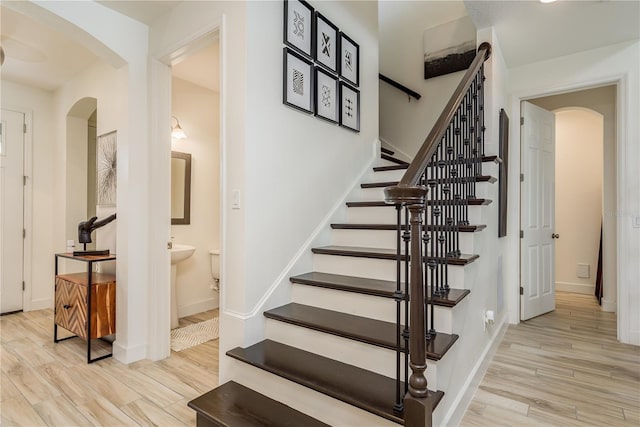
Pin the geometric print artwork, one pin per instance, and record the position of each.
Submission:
(349, 60)
(298, 82)
(298, 26)
(349, 107)
(326, 87)
(326, 40)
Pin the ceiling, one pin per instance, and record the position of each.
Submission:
(529, 31)
(201, 68)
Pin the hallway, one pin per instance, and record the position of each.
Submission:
(564, 368)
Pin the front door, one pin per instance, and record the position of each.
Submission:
(537, 217)
(11, 210)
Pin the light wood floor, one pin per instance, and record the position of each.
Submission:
(561, 369)
(51, 384)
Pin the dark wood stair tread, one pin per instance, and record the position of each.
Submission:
(384, 253)
(485, 159)
(375, 287)
(357, 328)
(387, 151)
(234, 405)
(381, 203)
(480, 178)
(393, 159)
(356, 386)
(461, 228)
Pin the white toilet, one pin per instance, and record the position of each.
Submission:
(214, 254)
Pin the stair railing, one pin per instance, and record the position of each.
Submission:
(432, 203)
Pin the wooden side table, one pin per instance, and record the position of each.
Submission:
(85, 303)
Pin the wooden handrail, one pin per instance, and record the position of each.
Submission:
(399, 86)
(422, 158)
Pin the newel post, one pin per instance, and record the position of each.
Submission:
(417, 405)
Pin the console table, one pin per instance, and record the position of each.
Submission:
(85, 303)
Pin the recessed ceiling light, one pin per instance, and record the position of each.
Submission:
(547, 1)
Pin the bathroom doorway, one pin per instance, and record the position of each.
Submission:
(195, 111)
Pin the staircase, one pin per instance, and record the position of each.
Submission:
(362, 323)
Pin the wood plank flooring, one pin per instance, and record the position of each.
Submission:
(47, 384)
(564, 368)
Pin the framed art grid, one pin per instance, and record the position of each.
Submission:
(298, 26)
(297, 81)
(326, 39)
(326, 95)
(349, 107)
(349, 60)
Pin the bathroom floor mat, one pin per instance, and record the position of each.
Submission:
(192, 335)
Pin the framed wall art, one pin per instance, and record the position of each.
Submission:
(106, 169)
(326, 95)
(297, 81)
(349, 107)
(349, 60)
(298, 26)
(326, 43)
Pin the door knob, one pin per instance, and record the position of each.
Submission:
(555, 236)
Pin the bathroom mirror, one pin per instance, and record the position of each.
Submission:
(180, 188)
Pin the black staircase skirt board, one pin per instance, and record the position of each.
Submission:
(356, 386)
(234, 405)
(384, 253)
(480, 178)
(393, 159)
(381, 203)
(374, 287)
(385, 227)
(387, 151)
(357, 328)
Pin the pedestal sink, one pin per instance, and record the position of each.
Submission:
(178, 254)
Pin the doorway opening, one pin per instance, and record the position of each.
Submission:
(585, 192)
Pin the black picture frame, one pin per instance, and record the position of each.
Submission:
(326, 38)
(326, 91)
(298, 26)
(503, 152)
(298, 81)
(349, 67)
(349, 107)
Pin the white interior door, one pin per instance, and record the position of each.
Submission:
(11, 210)
(537, 219)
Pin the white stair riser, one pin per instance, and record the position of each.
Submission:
(366, 356)
(387, 176)
(369, 306)
(384, 239)
(373, 268)
(317, 405)
(387, 214)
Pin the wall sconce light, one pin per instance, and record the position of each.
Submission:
(176, 131)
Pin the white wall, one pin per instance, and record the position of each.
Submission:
(579, 164)
(199, 112)
(617, 63)
(602, 100)
(39, 220)
(405, 124)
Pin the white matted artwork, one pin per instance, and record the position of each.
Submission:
(298, 26)
(298, 81)
(326, 43)
(349, 107)
(349, 60)
(326, 95)
(449, 47)
(106, 169)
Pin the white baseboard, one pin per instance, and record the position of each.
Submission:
(198, 307)
(128, 355)
(576, 288)
(465, 396)
(610, 306)
(399, 154)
